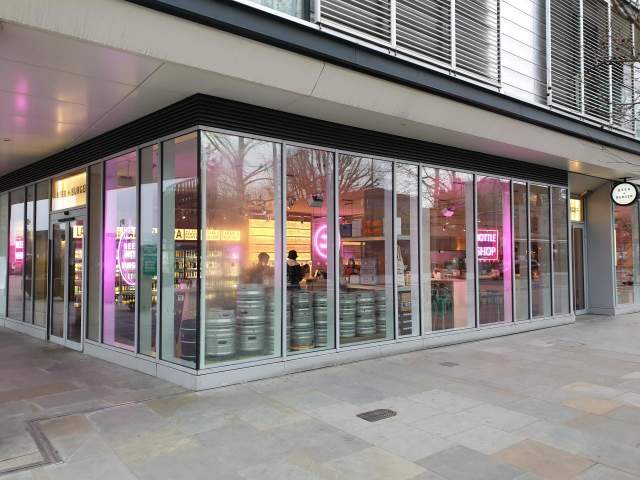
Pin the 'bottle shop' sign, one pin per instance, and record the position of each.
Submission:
(487, 244)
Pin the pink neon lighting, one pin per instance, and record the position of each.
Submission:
(126, 255)
(320, 243)
(487, 244)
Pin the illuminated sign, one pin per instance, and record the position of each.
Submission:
(126, 256)
(487, 244)
(576, 209)
(320, 242)
(69, 191)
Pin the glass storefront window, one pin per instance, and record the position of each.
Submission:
(493, 245)
(560, 250)
(310, 250)
(521, 250)
(15, 295)
(366, 306)
(149, 248)
(240, 290)
(447, 223)
(626, 242)
(41, 252)
(540, 251)
(119, 251)
(94, 275)
(407, 249)
(4, 243)
(180, 252)
(28, 255)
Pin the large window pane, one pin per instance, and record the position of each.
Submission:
(119, 251)
(447, 222)
(4, 244)
(149, 248)
(408, 259)
(28, 255)
(627, 247)
(493, 244)
(540, 251)
(521, 249)
(16, 255)
(94, 275)
(179, 298)
(240, 290)
(41, 252)
(310, 250)
(366, 250)
(560, 250)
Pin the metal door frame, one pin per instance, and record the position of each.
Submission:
(66, 217)
(581, 226)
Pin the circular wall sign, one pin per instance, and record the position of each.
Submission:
(624, 193)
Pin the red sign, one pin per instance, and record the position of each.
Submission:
(487, 244)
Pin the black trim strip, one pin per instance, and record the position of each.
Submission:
(240, 117)
(256, 24)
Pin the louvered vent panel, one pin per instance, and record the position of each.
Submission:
(596, 52)
(477, 37)
(565, 54)
(622, 71)
(370, 17)
(424, 27)
(636, 78)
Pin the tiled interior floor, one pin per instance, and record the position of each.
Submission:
(560, 403)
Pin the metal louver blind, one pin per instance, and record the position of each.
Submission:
(565, 54)
(477, 48)
(622, 114)
(424, 27)
(596, 53)
(636, 78)
(370, 17)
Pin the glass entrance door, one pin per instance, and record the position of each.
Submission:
(579, 284)
(67, 278)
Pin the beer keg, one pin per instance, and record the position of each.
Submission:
(302, 339)
(251, 338)
(187, 339)
(220, 333)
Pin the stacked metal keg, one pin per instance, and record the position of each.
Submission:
(302, 325)
(365, 314)
(381, 312)
(220, 334)
(347, 315)
(405, 317)
(251, 315)
(320, 320)
(271, 334)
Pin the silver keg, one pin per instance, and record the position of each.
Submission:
(321, 337)
(302, 339)
(220, 333)
(248, 291)
(251, 338)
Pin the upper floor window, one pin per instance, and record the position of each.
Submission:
(296, 8)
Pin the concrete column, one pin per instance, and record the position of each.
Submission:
(601, 293)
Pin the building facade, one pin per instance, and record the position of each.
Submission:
(236, 189)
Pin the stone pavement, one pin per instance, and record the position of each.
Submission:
(560, 403)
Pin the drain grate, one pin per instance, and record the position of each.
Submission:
(450, 364)
(375, 415)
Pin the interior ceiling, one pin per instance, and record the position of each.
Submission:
(56, 92)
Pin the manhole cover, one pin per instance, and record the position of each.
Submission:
(449, 364)
(375, 415)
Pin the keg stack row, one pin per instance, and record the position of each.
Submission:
(308, 326)
(241, 331)
(363, 314)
